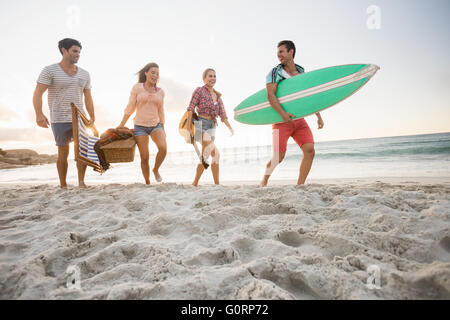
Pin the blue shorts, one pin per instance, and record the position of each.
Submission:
(204, 126)
(145, 131)
(63, 133)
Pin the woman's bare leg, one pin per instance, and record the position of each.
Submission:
(206, 151)
(142, 142)
(215, 163)
(159, 138)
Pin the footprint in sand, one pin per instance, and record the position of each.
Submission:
(213, 257)
(133, 206)
(294, 282)
(303, 243)
(77, 237)
(445, 243)
(292, 238)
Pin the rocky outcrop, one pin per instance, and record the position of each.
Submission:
(19, 158)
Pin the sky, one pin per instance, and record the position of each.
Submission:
(408, 39)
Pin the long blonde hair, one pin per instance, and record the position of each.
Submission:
(205, 73)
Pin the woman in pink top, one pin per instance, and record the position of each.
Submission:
(148, 102)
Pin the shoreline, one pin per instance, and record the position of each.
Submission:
(290, 182)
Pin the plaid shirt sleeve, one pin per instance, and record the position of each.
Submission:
(195, 100)
(272, 76)
(222, 112)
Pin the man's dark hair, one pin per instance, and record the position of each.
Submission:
(288, 44)
(67, 43)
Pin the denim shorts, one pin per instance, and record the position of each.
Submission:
(204, 125)
(63, 133)
(145, 131)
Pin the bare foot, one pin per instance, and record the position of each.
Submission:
(263, 184)
(195, 184)
(63, 186)
(82, 185)
(147, 182)
(157, 176)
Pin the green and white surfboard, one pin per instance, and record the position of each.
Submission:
(305, 94)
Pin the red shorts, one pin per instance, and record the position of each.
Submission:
(299, 130)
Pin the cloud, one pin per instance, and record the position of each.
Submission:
(32, 135)
(176, 100)
(177, 96)
(7, 114)
(104, 118)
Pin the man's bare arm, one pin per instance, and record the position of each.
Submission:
(41, 119)
(89, 102)
(319, 120)
(273, 100)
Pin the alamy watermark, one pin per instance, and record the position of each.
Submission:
(374, 19)
(374, 280)
(73, 278)
(73, 21)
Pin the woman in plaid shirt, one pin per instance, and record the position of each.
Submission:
(208, 104)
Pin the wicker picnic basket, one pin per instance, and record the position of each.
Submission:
(120, 150)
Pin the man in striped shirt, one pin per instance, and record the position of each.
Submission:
(66, 83)
(297, 129)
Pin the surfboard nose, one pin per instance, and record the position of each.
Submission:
(372, 69)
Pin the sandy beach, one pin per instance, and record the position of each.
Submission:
(236, 241)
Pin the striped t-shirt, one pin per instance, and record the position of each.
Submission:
(64, 89)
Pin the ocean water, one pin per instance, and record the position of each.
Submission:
(406, 156)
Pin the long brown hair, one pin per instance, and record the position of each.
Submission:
(141, 73)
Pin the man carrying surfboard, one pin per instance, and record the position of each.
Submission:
(297, 129)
